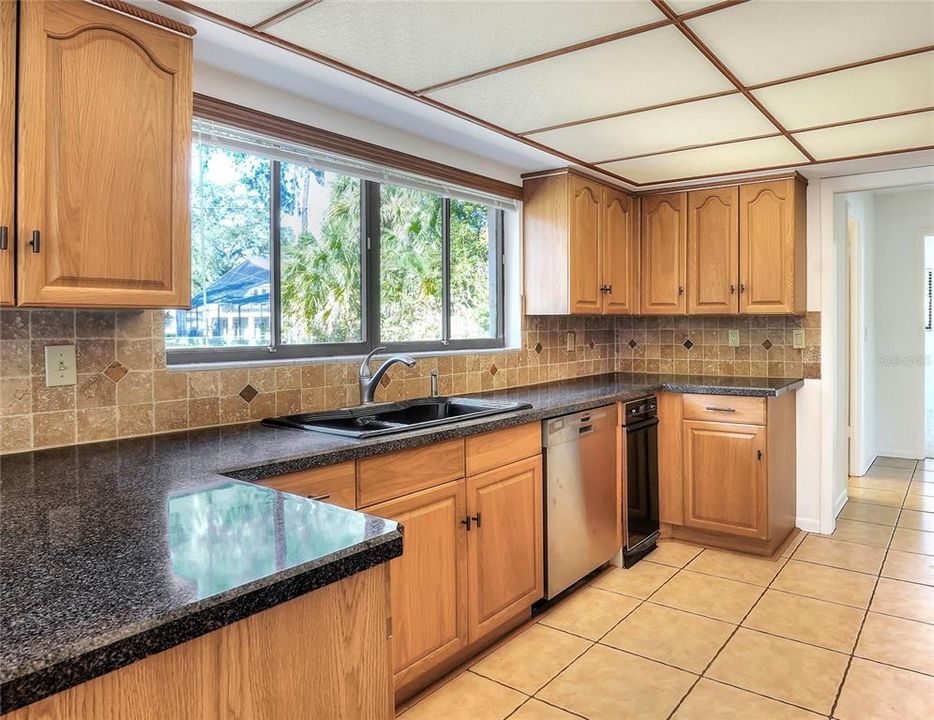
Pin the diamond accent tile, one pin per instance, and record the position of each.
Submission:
(493, 369)
(538, 348)
(385, 380)
(767, 344)
(248, 393)
(688, 343)
(116, 371)
(632, 343)
(591, 343)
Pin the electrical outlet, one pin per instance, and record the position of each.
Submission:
(571, 341)
(60, 365)
(733, 339)
(797, 338)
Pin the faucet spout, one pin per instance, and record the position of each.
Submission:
(369, 381)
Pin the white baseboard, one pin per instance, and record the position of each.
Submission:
(899, 453)
(808, 525)
(840, 502)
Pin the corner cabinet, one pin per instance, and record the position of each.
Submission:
(7, 145)
(103, 158)
(664, 236)
(581, 247)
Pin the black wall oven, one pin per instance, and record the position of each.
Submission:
(640, 426)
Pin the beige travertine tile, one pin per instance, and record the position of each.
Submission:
(924, 474)
(783, 669)
(921, 488)
(904, 599)
(817, 622)
(873, 692)
(135, 420)
(53, 428)
(883, 461)
(916, 520)
(920, 503)
(865, 512)
(15, 396)
(537, 710)
(795, 539)
(876, 497)
(530, 659)
(714, 597)
(640, 581)
(736, 567)
(826, 583)
(170, 415)
(590, 612)
(135, 388)
(862, 532)
(95, 424)
(170, 385)
(896, 641)
(869, 482)
(670, 636)
(892, 473)
(673, 553)
(916, 541)
(15, 433)
(710, 700)
(836, 553)
(909, 566)
(466, 697)
(606, 684)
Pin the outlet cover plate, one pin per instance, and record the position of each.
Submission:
(60, 365)
(797, 338)
(733, 338)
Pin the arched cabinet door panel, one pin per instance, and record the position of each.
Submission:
(585, 204)
(7, 144)
(663, 254)
(104, 137)
(620, 253)
(713, 251)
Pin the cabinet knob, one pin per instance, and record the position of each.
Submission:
(680, 290)
(742, 288)
(34, 243)
(466, 522)
(732, 288)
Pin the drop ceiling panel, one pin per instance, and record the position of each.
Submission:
(762, 41)
(685, 6)
(875, 136)
(717, 160)
(246, 12)
(420, 44)
(638, 71)
(696, 123)
(878, 89)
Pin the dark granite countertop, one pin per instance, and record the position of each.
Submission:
(113, 551)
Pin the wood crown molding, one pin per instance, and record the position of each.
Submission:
(264, 123)
(139, 13)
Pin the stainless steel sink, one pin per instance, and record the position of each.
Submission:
(386, 418)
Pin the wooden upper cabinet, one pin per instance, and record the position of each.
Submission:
(7, 144)
(713, 252)
(620, 253)
(104, 145)
(773, 257)
(585, 203)
(663, 254)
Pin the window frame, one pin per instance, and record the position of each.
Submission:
(370, 294)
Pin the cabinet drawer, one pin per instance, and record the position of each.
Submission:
(725, 408)
(390, 476)
(335, 484)
(501, 447)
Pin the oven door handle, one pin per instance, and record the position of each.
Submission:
(641, 425)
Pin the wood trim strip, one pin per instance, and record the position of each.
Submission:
(284, 14)
(884, 116)
(239, 116)
(139, 13)
(685, 148)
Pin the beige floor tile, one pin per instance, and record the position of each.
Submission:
(670, 636)
(736, 567)
(922, 503)
(675, 554)
(826, 583)
(537, 710)
(782, 669)
(792, 545)
(879, 692)
(466, 697)
(926, 463)
(868, 482)
(590, 612)
(916, 520)
(865, 512)
(862, 532)
(711, 700)
(924, 475)
(532, 658)
(640, 581)
(909, 566)
(817, 622)
(876, 497)
(892, 473)
(916, 541)
(884, 461)
(896, 641)
(921, 488)
(606, 684)
(904, 599)
(713, 597)
(849, 556)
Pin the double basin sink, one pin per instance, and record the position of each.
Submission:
(377, 419)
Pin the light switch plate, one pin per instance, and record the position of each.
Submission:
(733, 339)
(60, 365)
(797, 338)
(571, 341)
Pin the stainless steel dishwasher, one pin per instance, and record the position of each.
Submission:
(581, 506)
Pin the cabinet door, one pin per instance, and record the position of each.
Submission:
(772, 252)
(428, 583)
(725, 479)
(713, 252)
(505, 545)
(7, 141)
(104, 136)
(585, 210)
(620, 253)
(663, 254)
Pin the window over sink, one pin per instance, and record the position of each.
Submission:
(298, 253)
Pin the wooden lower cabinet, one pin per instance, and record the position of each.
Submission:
(504, 558)
(725, 487)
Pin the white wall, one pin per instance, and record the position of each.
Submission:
(929, 359)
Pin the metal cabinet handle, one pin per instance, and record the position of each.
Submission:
(4, 237)
(742, 288)
(319, 497)
(732, 289)
(680, 290)
(35, 241)
(476, 519)
(466, 522)
(758, 455)
(714, 408)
